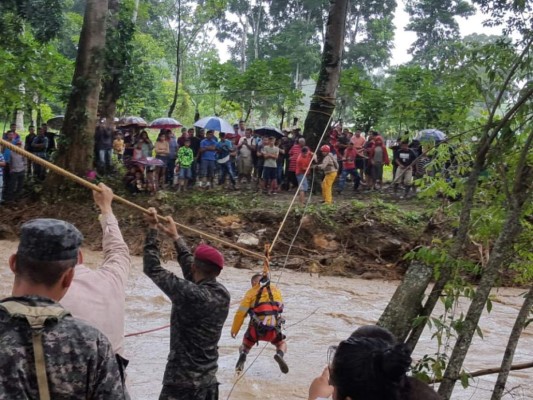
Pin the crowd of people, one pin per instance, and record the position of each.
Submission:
(62, 332)
(203, 159)
(267, 162)
(16, 169)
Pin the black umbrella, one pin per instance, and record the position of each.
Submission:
(56, 122)
(269, 131)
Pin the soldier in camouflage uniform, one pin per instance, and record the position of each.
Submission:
(44, 352)
(200, 307)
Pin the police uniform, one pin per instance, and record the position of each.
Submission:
(44, 352)
(199, 311)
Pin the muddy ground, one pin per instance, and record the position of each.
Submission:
(361, 235)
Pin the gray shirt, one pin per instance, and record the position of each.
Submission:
(271, 162)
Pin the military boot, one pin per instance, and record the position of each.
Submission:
(240, 363)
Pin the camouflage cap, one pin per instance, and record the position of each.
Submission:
(49, 240)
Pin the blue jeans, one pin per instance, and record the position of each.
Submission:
(342, 180)
(207, 168)
(104, 157)
(226, 169)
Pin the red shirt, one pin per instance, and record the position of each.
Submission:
(302, 162)
(349, 158)
(294, 152)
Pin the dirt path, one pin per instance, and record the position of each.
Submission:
(333, 306)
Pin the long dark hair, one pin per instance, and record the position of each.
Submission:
(369, 369)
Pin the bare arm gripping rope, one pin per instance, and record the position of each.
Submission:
(119, 199)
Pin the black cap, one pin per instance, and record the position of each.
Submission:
(49, 240)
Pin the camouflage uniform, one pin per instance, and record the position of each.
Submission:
(199, 311)
(80, 363)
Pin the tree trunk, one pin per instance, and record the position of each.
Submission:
(508, 356)
(323, 101)
(406, 301)
(178, 64)
(521, 193)
(75, 153)
(468, 199)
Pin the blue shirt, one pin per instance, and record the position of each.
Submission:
(208, 154)
(224, 147)
(1, 168)
(172, 147)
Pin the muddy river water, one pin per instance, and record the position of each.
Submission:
(320, 311)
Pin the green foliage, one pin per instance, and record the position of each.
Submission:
(43, 17)
(434, 22)
(152, 90)
(265, 86)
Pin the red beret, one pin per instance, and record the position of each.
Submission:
(207, 253)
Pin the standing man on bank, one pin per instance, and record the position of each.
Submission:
(200, 306)
(44, 352)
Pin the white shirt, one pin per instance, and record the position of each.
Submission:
(245, 151)
(97, 296)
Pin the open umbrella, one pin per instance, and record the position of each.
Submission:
(151, 161)
(269, 131)
(132, 121)
(56, 122)
(165, 123)
(430, 135)
(215, 123)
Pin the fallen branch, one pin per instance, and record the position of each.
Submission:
(490, 371)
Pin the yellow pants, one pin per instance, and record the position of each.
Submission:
(327, 187)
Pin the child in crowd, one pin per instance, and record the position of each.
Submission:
(118, 147)
(184, 164)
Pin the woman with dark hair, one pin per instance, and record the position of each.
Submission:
(369, 365)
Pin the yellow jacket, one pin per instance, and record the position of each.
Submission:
(248, 303)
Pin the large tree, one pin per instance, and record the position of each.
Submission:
(75, 152)
(324, 99)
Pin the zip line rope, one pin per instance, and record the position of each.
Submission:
(121, 200)
(268, 250)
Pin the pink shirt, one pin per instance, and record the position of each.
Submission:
(358, 143)
(97, 296)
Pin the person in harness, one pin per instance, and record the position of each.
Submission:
(264, 304)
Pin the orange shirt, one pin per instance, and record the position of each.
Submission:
(358, 144)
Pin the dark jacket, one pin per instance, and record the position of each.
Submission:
(199, 311)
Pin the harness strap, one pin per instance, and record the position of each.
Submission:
(36, 317)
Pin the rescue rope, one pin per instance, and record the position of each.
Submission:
(245, 371)
(119, 199)
(296, 193)
(147, 331)
(268, 250)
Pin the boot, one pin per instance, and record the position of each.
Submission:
(240, 363)
(281, 362)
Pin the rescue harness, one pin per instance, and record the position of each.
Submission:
(266, 309)
(37, 317)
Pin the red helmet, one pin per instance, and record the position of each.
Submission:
(325, 148)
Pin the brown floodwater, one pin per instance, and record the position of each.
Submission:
(320, 311)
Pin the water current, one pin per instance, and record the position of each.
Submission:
(320, 311)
